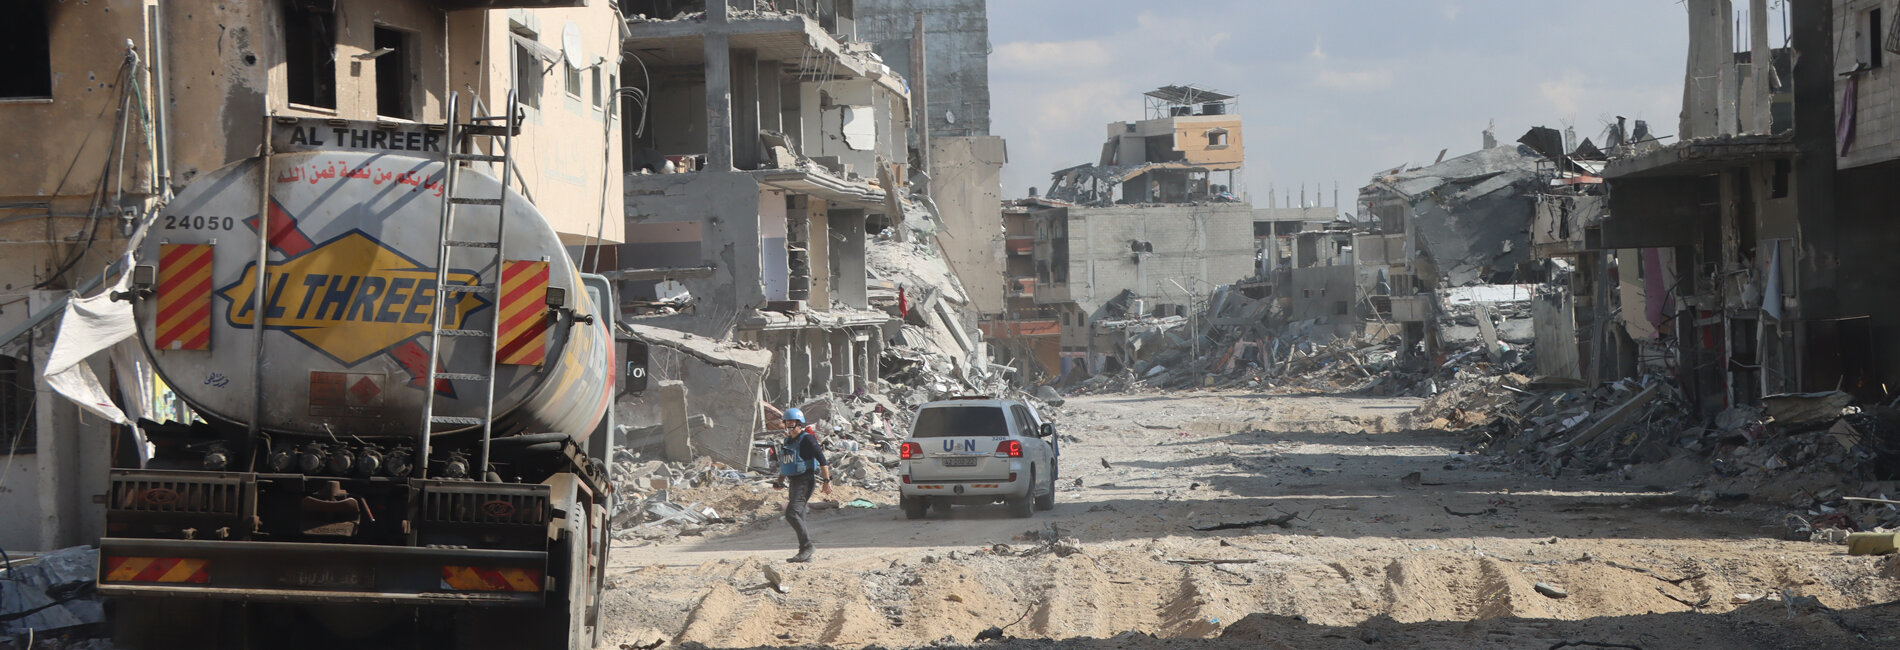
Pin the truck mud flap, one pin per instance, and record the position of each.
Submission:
(320, 573)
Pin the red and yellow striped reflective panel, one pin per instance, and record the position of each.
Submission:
(473, 578)
(183, 320)
(157, 569)
(522, 334)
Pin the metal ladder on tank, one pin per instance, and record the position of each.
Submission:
(500, 130)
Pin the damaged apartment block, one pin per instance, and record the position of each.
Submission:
(1142, 234)
(771, 146)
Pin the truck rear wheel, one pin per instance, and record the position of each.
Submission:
(1024, 506)
(1047, 501)
(914, 507)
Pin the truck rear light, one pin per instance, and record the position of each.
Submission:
(157, 569)
(906, 479)
(475, 578)
(1010, 448)
(909, 450)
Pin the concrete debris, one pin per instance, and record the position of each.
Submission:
(52, 594)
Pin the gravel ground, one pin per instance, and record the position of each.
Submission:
(1396, 538)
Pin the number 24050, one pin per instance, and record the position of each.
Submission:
(176, 222)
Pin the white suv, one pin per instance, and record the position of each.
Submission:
(978, 450)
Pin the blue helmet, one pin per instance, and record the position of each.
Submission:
(794, 414)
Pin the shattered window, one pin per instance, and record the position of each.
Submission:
(393, 96)
(946, 421)
(310, 56)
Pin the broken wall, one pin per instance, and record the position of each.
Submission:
(956, 49)
(1470, 217)
(723, 385)
(726, 208)
(1875, 112)
(1197, 246)
(1328, 293)
(967, 187)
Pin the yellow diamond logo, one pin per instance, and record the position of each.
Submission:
(351, 298)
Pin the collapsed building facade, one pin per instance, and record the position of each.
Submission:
(1753, 248)
(1144, 232)
(774, 151)
(195, 89)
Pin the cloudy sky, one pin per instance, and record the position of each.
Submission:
(1331, 90)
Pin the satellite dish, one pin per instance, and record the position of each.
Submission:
(571, 44)
(950, 117)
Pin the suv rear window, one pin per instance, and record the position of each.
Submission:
(944, 421)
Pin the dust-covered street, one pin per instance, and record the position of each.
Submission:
(1396, 539)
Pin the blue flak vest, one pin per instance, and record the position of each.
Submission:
(790, 462)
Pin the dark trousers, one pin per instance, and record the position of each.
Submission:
(798, 505)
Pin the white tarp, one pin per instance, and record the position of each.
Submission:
(90, 326)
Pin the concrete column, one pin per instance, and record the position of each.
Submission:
(784, 364)
(770, 103)
(811, 137)
(801, 366)
(679, 434)
(718, 92)
(848, 368)
(1813, 35)
(798, 249)
(821, 362)
(818, 242)
(745, 109)
(873, 353)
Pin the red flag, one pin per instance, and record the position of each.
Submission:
(903, 303)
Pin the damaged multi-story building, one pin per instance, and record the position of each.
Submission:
(1452, 241)
(113, 106)
(1150, 229)
(1751, 252)
(772, 145)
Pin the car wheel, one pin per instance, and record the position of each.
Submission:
(1025, 506)
(1048, 501)
(914, 507)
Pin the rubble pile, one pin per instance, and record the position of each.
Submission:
(51, 596)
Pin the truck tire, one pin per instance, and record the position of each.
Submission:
(914, 507)
(1024, 506)
(1047, 501)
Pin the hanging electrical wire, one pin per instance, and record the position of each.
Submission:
(126, 80)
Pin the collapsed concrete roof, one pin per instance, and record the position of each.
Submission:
(1472, 214)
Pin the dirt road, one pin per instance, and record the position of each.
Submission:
(1397, 538)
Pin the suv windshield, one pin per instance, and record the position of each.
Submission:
(942, 421)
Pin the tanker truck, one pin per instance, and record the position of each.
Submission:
(401, 431)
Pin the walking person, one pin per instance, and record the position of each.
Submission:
(801, 463)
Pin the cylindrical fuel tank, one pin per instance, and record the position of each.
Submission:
(349, 296)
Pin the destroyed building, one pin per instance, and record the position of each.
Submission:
(1144, 231)
(140, 98)
(1751, 251)
(766, 146)
(1026, 335)
(1459, 222)
(774, 152)
(942, 48)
